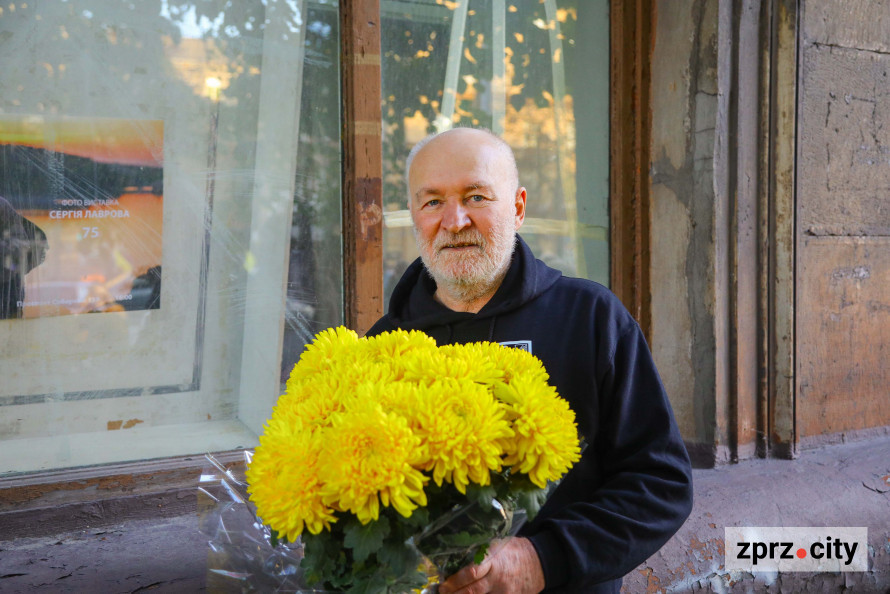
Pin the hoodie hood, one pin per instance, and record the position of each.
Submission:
(412, 306)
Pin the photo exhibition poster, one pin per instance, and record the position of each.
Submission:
(81, 215)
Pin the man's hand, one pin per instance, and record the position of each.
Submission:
(511, 567)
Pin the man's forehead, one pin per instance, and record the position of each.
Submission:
(440, 176)
(463, 139)
(476, 160)
(438, 189)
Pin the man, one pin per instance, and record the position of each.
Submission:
(477, 280)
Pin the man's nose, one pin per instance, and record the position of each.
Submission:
(456, 217)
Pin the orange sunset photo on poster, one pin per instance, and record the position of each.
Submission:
(81, 215)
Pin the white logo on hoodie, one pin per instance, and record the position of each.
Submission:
(525, 345)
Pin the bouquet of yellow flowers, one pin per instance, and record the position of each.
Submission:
(389, 455)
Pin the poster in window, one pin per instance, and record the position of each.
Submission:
(81, 215)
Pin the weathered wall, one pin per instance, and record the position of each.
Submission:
(705, 184)
(683, 242)
(843, 323)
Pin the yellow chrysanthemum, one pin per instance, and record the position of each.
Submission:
(314, 401)
(368, 461)
(331, 348)
(391, 348)
(512, 362)
(396, 397)
(450, 361)
(284, 482)
(361, 419)
(546, 442)
(463, 429)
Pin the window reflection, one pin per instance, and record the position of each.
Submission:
(245, 228)
(547, 96)
(315, 275)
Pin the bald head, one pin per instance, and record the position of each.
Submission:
(466, 205)
(467, 137)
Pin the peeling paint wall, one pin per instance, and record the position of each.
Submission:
(683, 261)
(843, 323)
(706, 261)
(705, 143)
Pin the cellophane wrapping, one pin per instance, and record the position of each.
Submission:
(243, 556)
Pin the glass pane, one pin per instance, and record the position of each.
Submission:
(535, 72)
(315, 271)
(170, 222)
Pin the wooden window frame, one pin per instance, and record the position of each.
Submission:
(631, 44)
(362, 163)
(630, 123)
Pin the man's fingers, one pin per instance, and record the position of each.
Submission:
(464, 578)
(511, 567)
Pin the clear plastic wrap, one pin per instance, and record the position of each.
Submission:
(462, 536)
(243, 556)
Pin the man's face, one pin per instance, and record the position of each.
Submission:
(466, 208)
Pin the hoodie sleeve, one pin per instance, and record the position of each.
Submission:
(635, 485)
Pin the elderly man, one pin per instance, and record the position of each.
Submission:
(477, 280)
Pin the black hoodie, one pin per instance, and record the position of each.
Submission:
(632, 489)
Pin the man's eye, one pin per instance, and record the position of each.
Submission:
(433, 202)
(477, 198)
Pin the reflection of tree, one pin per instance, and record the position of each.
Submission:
(539, 39)
(314, 289)
(415, 46)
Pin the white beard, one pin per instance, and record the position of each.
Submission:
(470, 274)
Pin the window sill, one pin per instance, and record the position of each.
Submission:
(65, 500)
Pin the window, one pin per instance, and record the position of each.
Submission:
(535, 72)
(171, 234)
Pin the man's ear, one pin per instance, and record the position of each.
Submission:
(519, 203)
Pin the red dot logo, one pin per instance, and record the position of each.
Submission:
(801, 553)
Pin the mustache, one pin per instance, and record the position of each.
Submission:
(464, 237)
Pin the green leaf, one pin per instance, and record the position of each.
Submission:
(364, 540)
(419, 518)
(531, 501)
(464, 539)
(479, 557)
(372, 585)
(325, 561)
(317, 563)
(481, 495)
(400, 558)
(412, 580)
